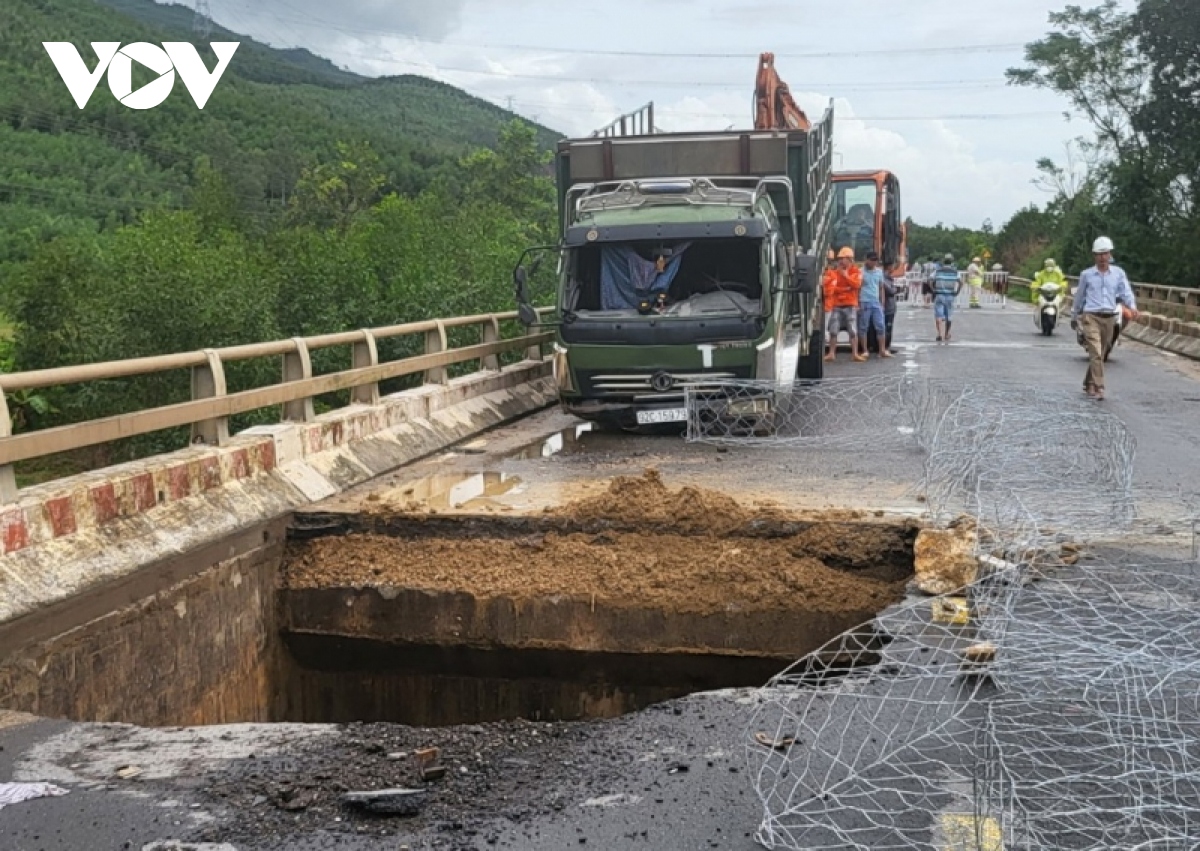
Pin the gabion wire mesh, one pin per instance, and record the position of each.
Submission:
(1079, 729)
(1093, 741)
(1054, 702)
(1020, 459)
(1004, 453)
(826, 414)
(859, 744)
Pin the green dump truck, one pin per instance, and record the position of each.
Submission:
(686, 260)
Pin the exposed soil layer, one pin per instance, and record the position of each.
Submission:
(684, 558)
(671, 572)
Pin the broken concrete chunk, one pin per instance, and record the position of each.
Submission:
(955, 611)
(428, 766)
(946, 558)
(976, 658)
(390, 802)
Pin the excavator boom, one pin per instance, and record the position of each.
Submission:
(774, 108)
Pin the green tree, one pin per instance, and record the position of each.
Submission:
(1134, 76)
(1087, 59)
(516, 176)
(333, 193)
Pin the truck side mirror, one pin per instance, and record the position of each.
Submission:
(527, 315)
(521, 280)
(804, 279)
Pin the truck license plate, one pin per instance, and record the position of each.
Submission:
(665, 415)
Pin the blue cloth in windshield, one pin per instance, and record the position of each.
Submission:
(626, 278)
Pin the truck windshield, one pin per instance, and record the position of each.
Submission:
(689, 278)
(854, 204)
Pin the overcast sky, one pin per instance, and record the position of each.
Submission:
(917, 85)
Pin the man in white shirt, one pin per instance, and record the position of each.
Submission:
(1103, 289)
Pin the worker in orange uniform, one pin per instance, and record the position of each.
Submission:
(841, 286)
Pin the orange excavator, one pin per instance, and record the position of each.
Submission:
(774, 108)
(866, 204)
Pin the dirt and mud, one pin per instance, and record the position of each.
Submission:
(693, 551)
(493, 772)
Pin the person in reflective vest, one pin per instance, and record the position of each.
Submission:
(975, 281)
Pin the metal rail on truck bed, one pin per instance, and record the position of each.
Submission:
(804, 157)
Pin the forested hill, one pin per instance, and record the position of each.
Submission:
(274, 113)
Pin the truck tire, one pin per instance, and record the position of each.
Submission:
(812, 365)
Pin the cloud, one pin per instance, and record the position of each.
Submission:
(910, 79)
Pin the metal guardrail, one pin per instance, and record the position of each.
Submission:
(211, 405)
(1173, 302)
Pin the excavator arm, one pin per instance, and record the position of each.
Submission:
(774, 108)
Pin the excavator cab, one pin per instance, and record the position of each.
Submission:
(867, 217)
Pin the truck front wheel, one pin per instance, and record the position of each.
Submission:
(812, 365)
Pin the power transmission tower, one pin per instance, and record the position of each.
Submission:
(510, 103)
(202, 21)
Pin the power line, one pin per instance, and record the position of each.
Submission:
(667, 112)
(888, 86)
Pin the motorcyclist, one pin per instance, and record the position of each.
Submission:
(1049, 274)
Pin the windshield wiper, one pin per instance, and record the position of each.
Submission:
(745, 316)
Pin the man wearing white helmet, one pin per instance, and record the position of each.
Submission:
(1102, 290)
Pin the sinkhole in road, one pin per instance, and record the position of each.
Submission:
(629, 598)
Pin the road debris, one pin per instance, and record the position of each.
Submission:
(389, 802)
(428, 767)
(16, 793)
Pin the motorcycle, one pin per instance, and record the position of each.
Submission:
(1050, 301)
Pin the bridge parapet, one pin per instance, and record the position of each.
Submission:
(1169, 320)
(314, 454)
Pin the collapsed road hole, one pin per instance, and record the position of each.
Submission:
(594, 609)
(601, 608)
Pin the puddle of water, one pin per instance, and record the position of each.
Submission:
(468, 489)
(566, 441)
(456, 490)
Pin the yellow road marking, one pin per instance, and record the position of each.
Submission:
(971, 833)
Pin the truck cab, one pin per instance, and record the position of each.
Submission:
(686, 261)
